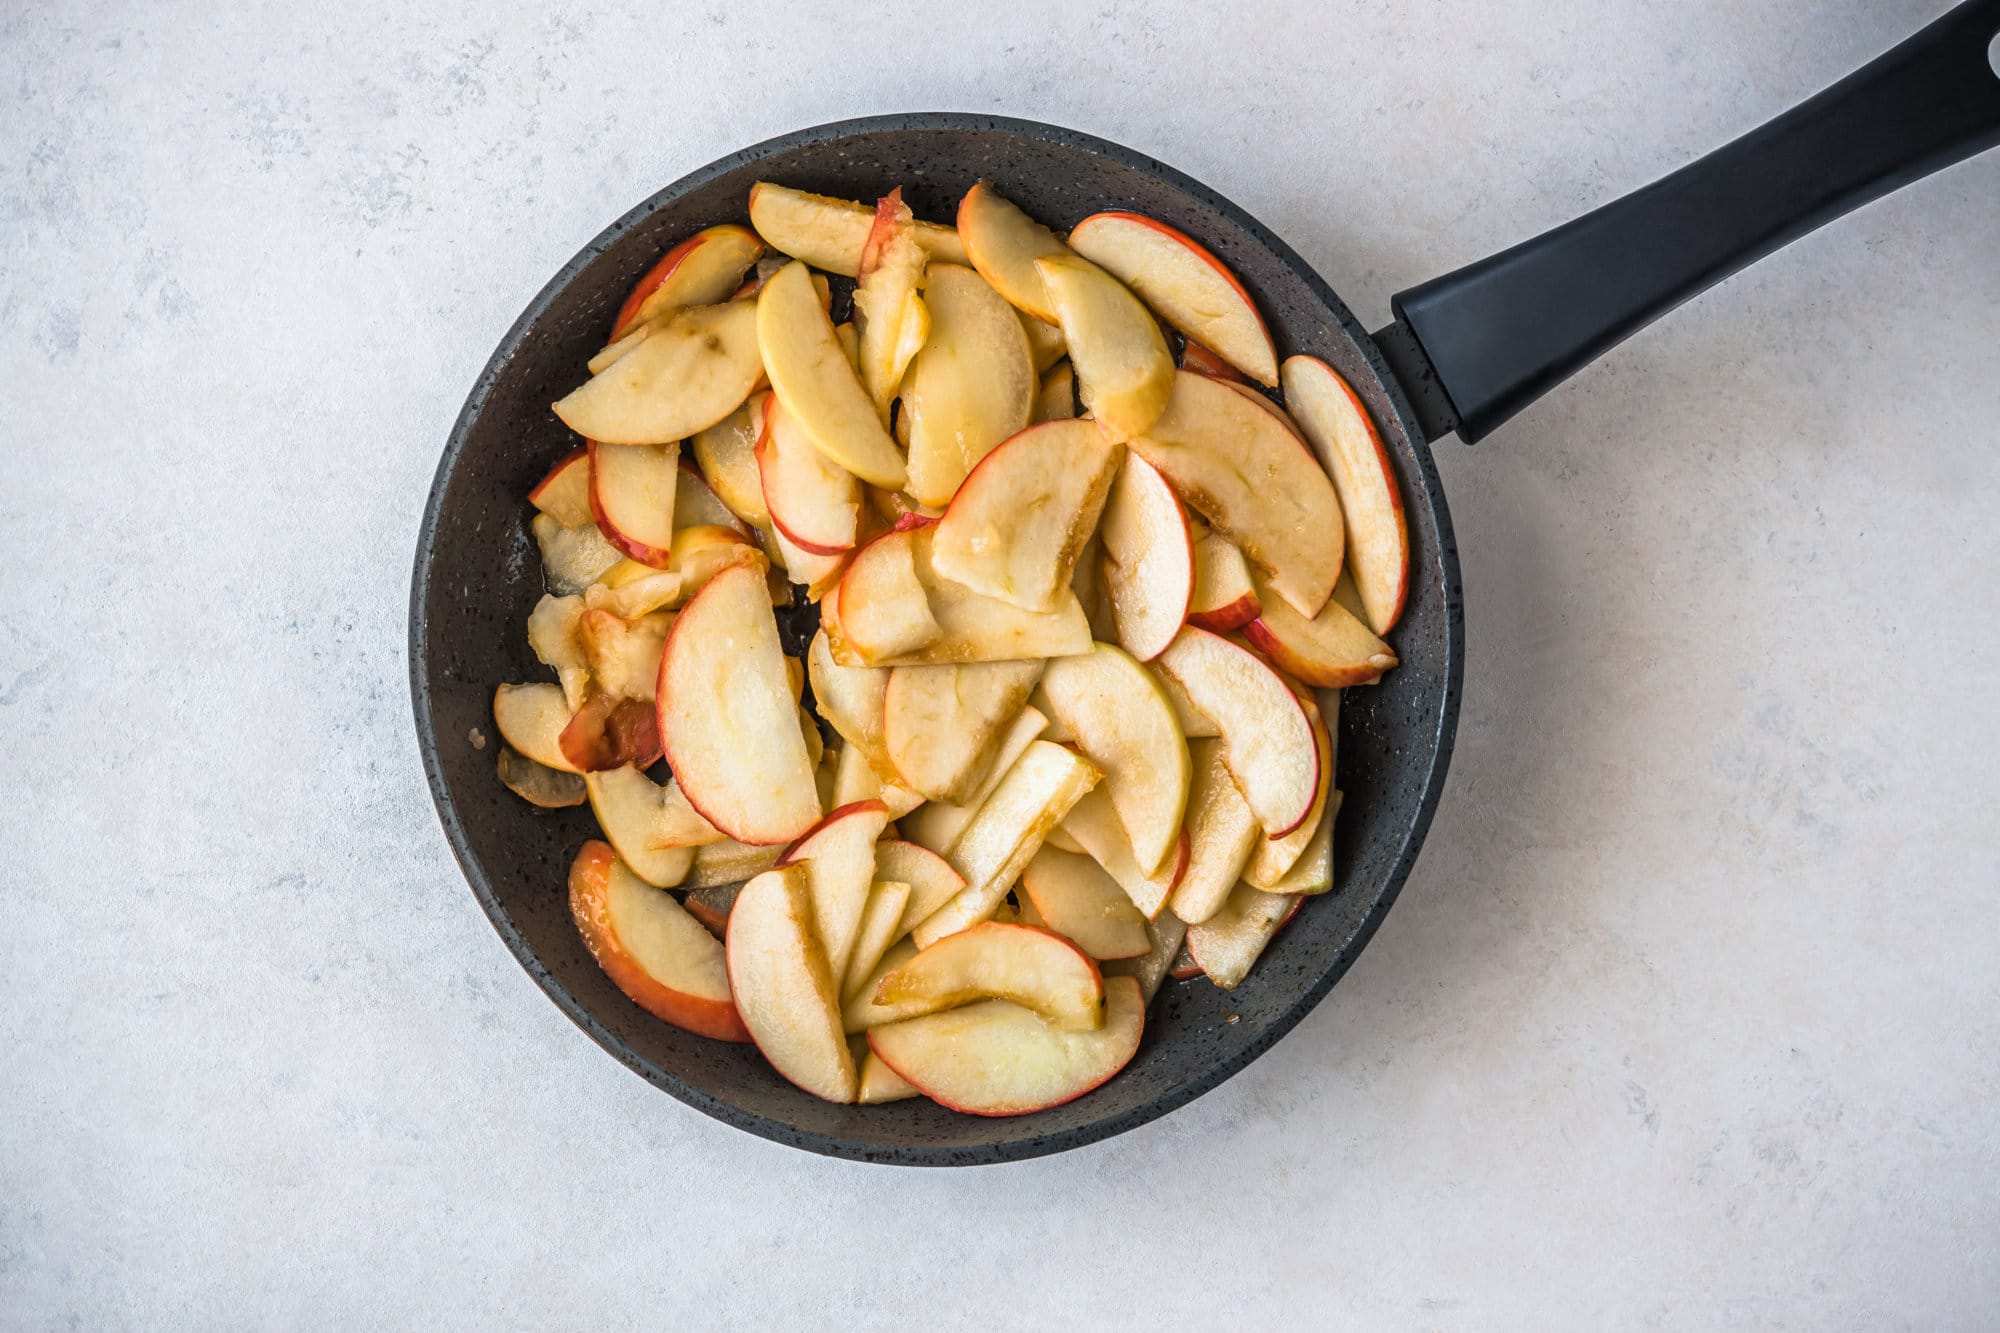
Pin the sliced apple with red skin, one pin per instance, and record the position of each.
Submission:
(942, 725)
(1094, 827)
(895, 610)
(702, 270)
(879, 1083)
(1124, 373)
(1343, 434)
(632, 498)
(1195, 724)
(814, 501)
(1124, 724)
(848, 697)
(994, 960)
(1201, 361)
(531, 718)
(881, 920)
(564, 494)
(1273, 857)
(810, 371)
(839, 856)
(624, 655)
(1255, 482)
(1225, 596)
(1267, 736)
(1148, 570)
(1228, 944)
(679, 824)
(572, 558)
(628, 806)
(892, 317)
(936, 824)
(972, 386)
(610, 732)
(860, 1012)
(1017, 523)
(1223, 836)
(728, 862)
(696, 505)
(689, 373)
(1166, 933)
(1003, 243)
(1332, 649)
(1312, 872)
(819, 573)
(784, 988)
(997, 1058)
(1078, 900)
(1177, 276)
(711, 906)
(650, 947)
(632, 590)
(1033, 796)
(728, 716)
(932, 881)
(830, 233)
(1056, 399)
(538, 784)
(726, 454)
(882, 611)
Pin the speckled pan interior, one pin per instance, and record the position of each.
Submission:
(477, 576)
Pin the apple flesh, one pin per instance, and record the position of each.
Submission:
(1076, 898)
(1274, 856)
(726, 455)
(697, 505)
(728, 862)
(1225, 597)
(1331, 649)
(839, 856)
(784, 988)
(942, 725)
(1124, 373)
(879, 1083)
(1149, 563)
(815, 502)
(936, 824)
(1201, 361)
(880, 922)
(552, 634)
(972, 386)
(1055, 400)
(994, 960)
(624, 655)
(1034, 795)
(572, 558)
(1003, 243)
(1093, 825)
(1222, 836)
(531, 719)
(1190, 288)
(628, 806)
(678, 823)
(1165, 934)
(702, 270)
(691, 372)
(538, 784)
(1016, 525)
(997, 1058)
(650, 947)
(829, 233)
(894, 321)
(564, 494)
(609, 732)
(728, 716)
(632, 591)
(1343, 434)
(816, 380)
(1254, 481)
(1267, 738)
(1228, 944)
(1045, 346)
(1124, 725)
(932, 881)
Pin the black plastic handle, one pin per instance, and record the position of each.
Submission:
(1476, 346)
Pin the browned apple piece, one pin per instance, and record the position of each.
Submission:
(1344, 435)
(538, 784)
(784, 988)
(942, 725)
(1003, 243)
(1148, 569)
(1228, 944)
(650, 947)
(1124, 373)
(1074, 896)
(688, 374)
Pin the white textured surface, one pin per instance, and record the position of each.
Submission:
(1689, 1017)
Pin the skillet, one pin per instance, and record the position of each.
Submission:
(1463, 354)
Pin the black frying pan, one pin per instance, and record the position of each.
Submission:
(1466, 351)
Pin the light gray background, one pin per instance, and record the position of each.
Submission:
(1688, 1018)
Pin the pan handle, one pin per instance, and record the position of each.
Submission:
(1476, 346)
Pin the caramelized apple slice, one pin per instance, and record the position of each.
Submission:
(702, 270)
(1222, 836)
(1031, 967)
(830, 233)
(1228, 944)
(1123, 724)
(1342, 433)
(1148, 571)
(1076, 898)
(650, 947)
(1003, 243)
(564, 494)
(688, 374)
(783, 986)
(538, 784)
(972, 386)
(821, 390)
(1268, 739)
(1123, 369)
(942, 725)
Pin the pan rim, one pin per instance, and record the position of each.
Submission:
(1200, 1081)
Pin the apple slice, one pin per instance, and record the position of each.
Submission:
(1007, 830)
(1093, 825)
(538, 784)
(726, 454)
(1015, 526)
(1032, 967)
(1075, 898)
(564, 494)
(972, 386)
(711, 907)
(1267, 738)
(1275, 856)
(839, 856)
(882, 611)
(881, 922)
(729, 862)
(679, 824)
(895, 610)
(893, 319)
(688, 374)
(848, 697)
(632, 498)
(552, 634)
(1344, 436)
(572, 558)
(1330, 649)
(531, 719)
(932, 881)
(1165, 933)
(702, 270)
(1124, 724)
(1255, 483)
(1229, 943)
(819, 573)
(1056, 399)
(727, 715)
(632, 590)
(1045, 346)
(650, 947)
(942, 725)
(936, 824)
(1312, 872)
(860, 1012)
(1195, 724)
(1224, 598)
(784, 988)
(1190, 287)
(696, 505)
(821, 390)
(609, 732)
(1003, 243)
(1125, 375)
(997, 1058)
(1149, 567)
(815, 502)
(629, 806)
(830, 233)
(879, 1083)
(1201, 361)
(1222, 836)
(624, 655)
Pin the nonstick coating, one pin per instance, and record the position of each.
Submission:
(477, 576)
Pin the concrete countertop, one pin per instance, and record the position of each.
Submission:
(1688, 1018)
